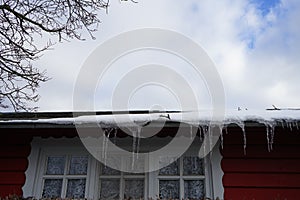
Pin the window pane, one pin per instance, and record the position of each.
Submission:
(78, 165)
(76, 188)
(134, 189)
(114, 163)
(134, 164)
(171, 169)
(194, 189)
(52, 188)
(169, 189)
(55, 165)
(109, 171)
(110, 189)
(193, 166)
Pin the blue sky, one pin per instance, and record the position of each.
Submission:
(264, 8)
(265, 5)
(254, 45)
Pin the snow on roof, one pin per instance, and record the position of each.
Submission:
(115, 119)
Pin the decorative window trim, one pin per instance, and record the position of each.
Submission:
(217, 172)
(40, 149)
(40, 146)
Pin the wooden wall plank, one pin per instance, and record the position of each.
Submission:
(261, 165)
(6, 190)
(12, 178)
(258, 135)
(261, 151)
(13, 164)
(14, 151)
(261, 180)
(261, 194)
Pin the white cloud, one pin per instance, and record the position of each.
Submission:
(256, 55)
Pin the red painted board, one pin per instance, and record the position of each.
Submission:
(12, 178)
(261, 194)
(6, 190)
(261, 180)
(261, 151)
(13, 164)
(14, 151)
(261, 165)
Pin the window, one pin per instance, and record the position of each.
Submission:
(65, 176)
(184, 178)
(115, 184)
(63, 168)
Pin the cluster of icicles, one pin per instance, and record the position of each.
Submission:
(270, 129)
(269, 124)
(204, 131)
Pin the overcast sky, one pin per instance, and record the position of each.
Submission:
(255, 47)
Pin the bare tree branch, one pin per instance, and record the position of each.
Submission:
(23, 20)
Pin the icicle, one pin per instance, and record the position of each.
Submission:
(103, 147)
(133, 147)
(115, 135)
(245, 139)
(105, 144)
(282, 124)
(290, 125)
(268, 136)
(191, 132)
(296, 124)
(139, 130)
(225, 128)
(272, 135)
(136, 137)
(270, 129)
(221, 137)
(241, 124)
(210, 136)
(204, 141)
(200, 134)
(208, 133)
(205, 133)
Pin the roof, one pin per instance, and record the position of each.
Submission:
(146, 117)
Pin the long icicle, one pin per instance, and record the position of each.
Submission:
(105, 144)
(241, 124)
(134, 135)
(272, 136)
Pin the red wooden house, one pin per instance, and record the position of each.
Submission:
(42, 156)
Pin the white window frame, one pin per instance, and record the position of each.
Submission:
(156, 177)
(41, 146)
(122, 177)
(40, 150)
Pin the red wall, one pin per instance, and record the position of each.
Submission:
(14, 150)
(261, 174)
(257, 175)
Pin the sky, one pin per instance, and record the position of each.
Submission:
(253, 44)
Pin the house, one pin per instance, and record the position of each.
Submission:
(46, 155)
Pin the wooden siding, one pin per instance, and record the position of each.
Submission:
(14, 150)
(260, 174)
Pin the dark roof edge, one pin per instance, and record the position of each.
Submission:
(49, 115)
(45, 125)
